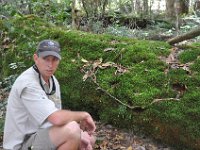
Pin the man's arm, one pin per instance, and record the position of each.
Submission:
(62, 117)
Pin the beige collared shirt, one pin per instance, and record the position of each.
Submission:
(28, 108)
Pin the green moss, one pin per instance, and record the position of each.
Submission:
(189, 55)
(196, 66)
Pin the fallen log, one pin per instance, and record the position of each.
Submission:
(189, 35)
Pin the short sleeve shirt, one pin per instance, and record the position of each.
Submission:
(28, 108)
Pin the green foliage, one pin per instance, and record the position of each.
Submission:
(1, 125)
(189, 55)
(163, 24)
(143, 82)
(196, 66)
(7, 82)
(47, 10)
(119, 31)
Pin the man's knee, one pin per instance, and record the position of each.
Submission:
(69, 132)
(73, 130)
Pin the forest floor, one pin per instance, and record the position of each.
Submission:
(111, 138)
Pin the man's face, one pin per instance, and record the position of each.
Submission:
(46, 65)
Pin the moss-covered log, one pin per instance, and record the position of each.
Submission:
(189, 35)
(128, 70)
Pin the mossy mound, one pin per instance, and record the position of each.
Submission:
(126, 82)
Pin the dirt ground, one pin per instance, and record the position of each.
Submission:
(111, 138)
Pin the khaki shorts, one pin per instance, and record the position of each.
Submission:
(38, 141)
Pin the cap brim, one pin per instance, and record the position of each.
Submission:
(49, 53)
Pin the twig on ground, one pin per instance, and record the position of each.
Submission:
(116, 99)
(165, 99)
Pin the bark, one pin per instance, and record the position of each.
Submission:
(170, 11)
(120, 5)
(197, 5)
(105, 3)
(158, 6)
(138, 6)
(184, 6)
(177, 7)
(132, 6)
(74, 14)
(189, 35)
(85, 7)
(146, 7)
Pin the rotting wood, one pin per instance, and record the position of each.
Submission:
(189, 35)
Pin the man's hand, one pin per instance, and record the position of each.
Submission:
(87, 124)
(87, 141)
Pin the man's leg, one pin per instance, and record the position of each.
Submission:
(38, 141)
(66, 137)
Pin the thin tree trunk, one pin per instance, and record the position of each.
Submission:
(170, 9)
(189, 35)
(177, 7)
(74, 14)
(146, 7)
(184, 6)
(104, 7)
(132, 6)
(197, 5)
(138, 7)
(85, 8)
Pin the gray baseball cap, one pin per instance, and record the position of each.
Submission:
(47, 48)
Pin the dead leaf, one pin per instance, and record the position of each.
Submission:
(6, 40)
(109, 49)
(6, 46)
(121, 70)
(73, 60)
(170, 59)
(129, 148)
(107, 64)
(186, 68)
(96, 63)
(84, 60)
(113, 42)
(166, 71)
(116, 147)
(87, 74)
(78, 55)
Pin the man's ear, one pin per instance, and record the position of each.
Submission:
(35, 57)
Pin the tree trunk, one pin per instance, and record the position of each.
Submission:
(177, 8)
(74, 26)
(158, 6)
(85, 7)
(189, 35)
(170, 11)
(132, 6)
(109, 5)
(146, 7)
(103, 5)
(138, 7)
(184, 7)
(197, 5)
(120, 5)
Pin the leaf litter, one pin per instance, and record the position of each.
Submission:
(111, 138)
